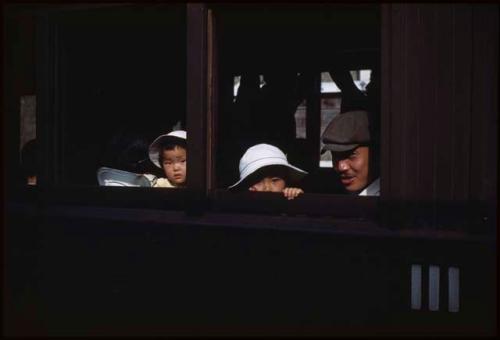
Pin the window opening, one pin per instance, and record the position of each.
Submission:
(237, 81)
(115, 100)
(295, 100)
(361, 78)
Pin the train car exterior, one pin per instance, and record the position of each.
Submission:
(84, 260)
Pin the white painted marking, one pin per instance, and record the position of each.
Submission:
(433, 288)
(416, 286)
(453, 289)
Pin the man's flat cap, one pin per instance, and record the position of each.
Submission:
(347, 131)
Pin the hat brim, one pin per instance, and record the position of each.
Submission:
(292, 173)
(338, 147)
(115, 177)
(154, 148)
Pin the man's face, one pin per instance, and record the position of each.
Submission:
(270, 184)
(174, 165)
(353, 167)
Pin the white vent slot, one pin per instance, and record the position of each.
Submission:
(416, 286)
(453, 289)
(433, 288)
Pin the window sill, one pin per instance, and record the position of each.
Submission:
(306, 204)
(341, 227)
(119, 197)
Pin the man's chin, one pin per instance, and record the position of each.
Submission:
(353, 188)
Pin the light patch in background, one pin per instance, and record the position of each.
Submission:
(237, 80)
(361, 78)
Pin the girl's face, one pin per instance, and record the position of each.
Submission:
(174, 165)
(270, 184)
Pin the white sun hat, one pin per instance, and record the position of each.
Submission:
(177, 136)
(263, 155)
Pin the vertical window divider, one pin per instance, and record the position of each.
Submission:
(196, 105)
(212, 95)
(313, 118)
(47, 117)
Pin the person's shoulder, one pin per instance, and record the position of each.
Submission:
(163, 183)
(373, 189)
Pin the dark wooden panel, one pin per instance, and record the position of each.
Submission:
(445, 102)
(461, 105)
(386, 99)
(442, 116)
(196, 99)
(395, 177)
(484, 120)
(415, 109)
(427, 134)
(10, 103)
(112, 272)
(46, 118)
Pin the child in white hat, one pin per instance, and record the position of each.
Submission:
(264, 167)
(169, 153)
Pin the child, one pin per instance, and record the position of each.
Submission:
(168, 152)
(264, 167)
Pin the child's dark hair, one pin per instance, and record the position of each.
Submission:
(280, 171)
(168, 146)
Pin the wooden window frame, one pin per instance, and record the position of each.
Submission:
(308, 204)
(389, 211)
(49, 189)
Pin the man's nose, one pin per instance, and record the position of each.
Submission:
(342, 165)
(267, 186)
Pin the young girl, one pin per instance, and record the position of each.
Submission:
(168, 152)
(264, 167)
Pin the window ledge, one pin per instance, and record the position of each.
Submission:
(348, 227)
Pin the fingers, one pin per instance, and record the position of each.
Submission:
(291, 193)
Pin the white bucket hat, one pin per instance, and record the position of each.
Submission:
(178, 136)
(264, 155)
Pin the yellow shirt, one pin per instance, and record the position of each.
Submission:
(163, 183)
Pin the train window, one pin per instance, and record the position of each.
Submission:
(120, 84)
(285, 96)
(236, 80)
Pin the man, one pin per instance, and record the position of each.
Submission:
(354, 152)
